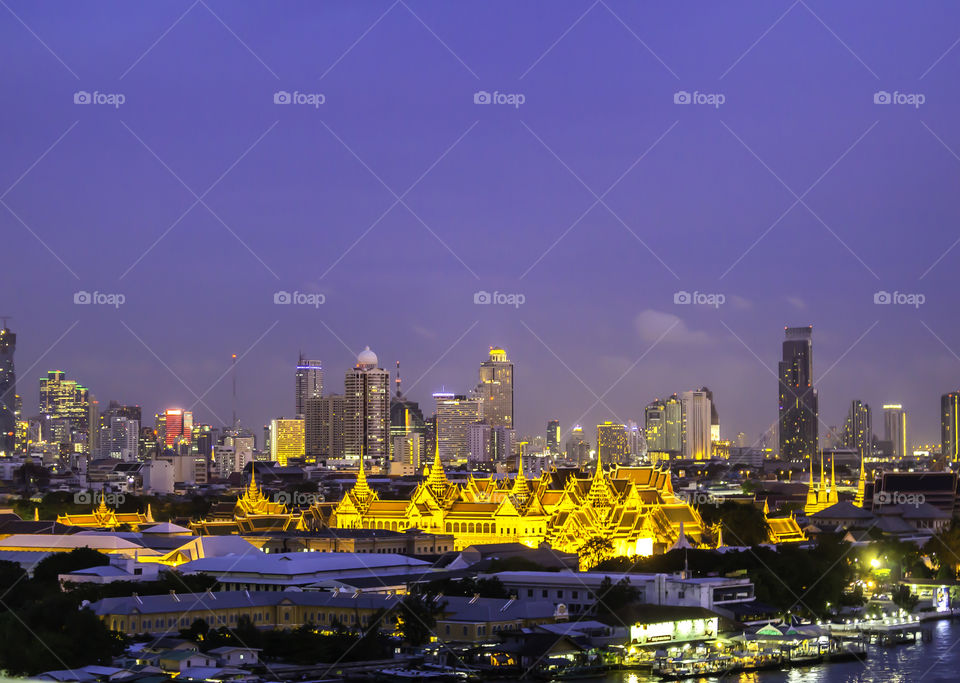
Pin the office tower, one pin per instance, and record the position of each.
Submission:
(673, 426)
(714, 416)
(797, 399)
(455, 414)
(950, 426)
(577, 447)
(95, 422)
(63, 399)
(309, 383)
(366, 421)
(612, 443)
(8, 391)
(858, 429)
(286, 440)
(895, 428)
(120, 439)
(496, 389)
(175, 428)
(696, 425)
(654, 425)
(406, 419)
(486, 443)
(330, 412)
(553, 437)
(636, 443)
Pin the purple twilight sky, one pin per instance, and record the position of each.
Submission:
(784, 186)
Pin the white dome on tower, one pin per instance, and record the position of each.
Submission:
(367, 359)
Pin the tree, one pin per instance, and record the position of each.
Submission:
(416, 617)
(904, 598)
(52, 566)
(594, 550)
(614, 596)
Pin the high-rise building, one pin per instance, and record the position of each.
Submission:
(654, 426)
(553, 437)
(612, 443)
(895, 428)
(486, 443)
(286, 440)
(366, 422)
(309, 383)
(714, 416)
(119, 439)
(636, 443)
(673, 426)
(950, 427)
(577, 446)
(8, 391)
(455, 414)
(406, 418)
(797, 399)
(175, 428)
(858, 429)
(496, 389)
(325, 424)
(63, 399)
(696, 425)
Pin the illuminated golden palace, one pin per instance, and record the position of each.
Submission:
(634, 508)
(103, 517)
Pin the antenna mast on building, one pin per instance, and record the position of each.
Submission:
(233, 371)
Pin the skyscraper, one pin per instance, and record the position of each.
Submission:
(553, 437)
(577, 447)
(175, 428)
(895, 428)
(286, 440)
(323, 426)
(797, 399)
(455, 414)
(8, 391)
(309, 383)
(612, 443)
(950, 426)
(696, 425)
(366, 422)
(65, 399)
(673, 426)
(654, 427)
(858, 429)
(496, 389)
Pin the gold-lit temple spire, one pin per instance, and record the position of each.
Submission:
(437, 479)
(361, 489)
(521, 489)
(36, 514)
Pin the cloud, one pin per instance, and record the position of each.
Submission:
(739, 303)
(651, 325)
(797, 303)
